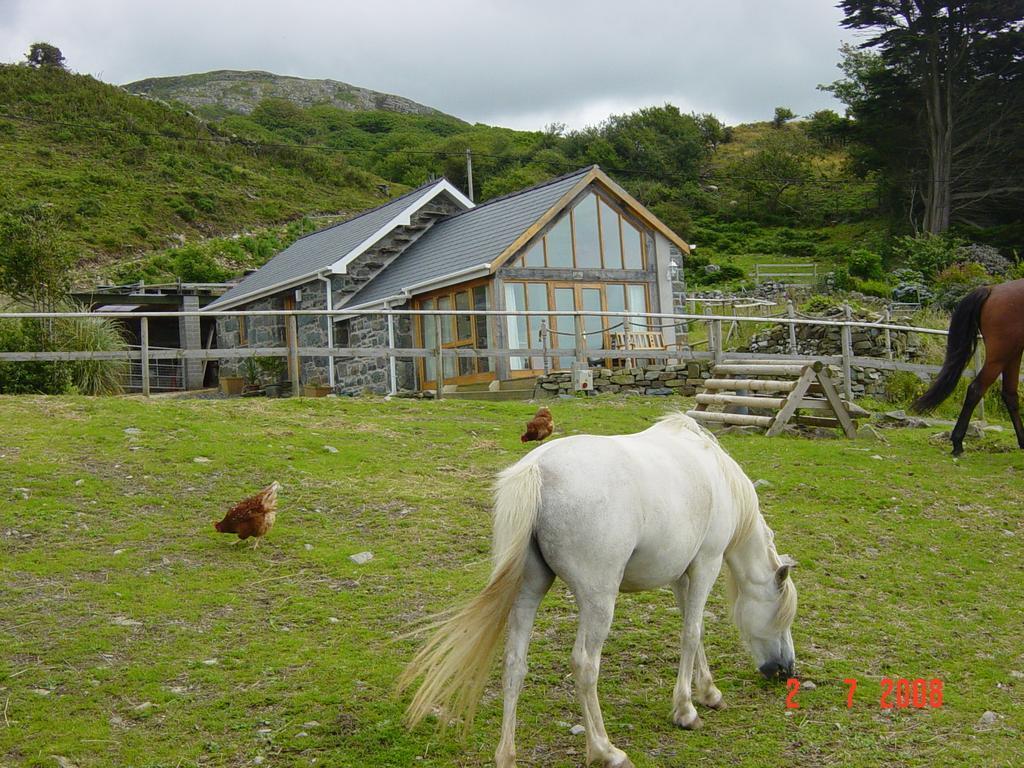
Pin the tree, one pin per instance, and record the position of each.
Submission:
(780, 163)
(938, 94)
(34, 267)
(782, 116)
(45, 55)
(828, 128)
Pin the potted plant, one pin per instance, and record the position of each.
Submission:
(251, 378)
(275, 369)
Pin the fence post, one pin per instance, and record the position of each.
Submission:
(392, 362)
(888, 334)
(145, 356)
(581, 350)
(791, 311)
(847, 353)
(439, 383)
(544, 344)
(292, 338)
(717, 333)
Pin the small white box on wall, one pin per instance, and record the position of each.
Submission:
(582, 380)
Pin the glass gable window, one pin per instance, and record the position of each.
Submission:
(632, 253)
(592, 235)
(588, 240)
(559, 244)
(611, 237)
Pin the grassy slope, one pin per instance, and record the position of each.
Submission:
(116, 591)
(126, 192)
(847, 203)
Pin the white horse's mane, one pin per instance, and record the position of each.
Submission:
(739, 484)
(682, 421)
(750, 514)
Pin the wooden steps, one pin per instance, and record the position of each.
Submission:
(776, 392)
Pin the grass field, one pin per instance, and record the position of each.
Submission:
(131, 634)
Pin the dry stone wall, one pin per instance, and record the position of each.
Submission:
(684, 379)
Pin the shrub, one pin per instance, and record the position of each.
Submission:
(878, 288)
(86, 334)
(865, 264)
(714, 274)
(956, 281)
(927, 254)
(986, 256)
(25, 378)
(903, 387)
(93, 334)
(185, 211)
(841, 280)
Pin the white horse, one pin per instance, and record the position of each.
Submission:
(609, 514)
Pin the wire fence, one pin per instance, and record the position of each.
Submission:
(160, 368)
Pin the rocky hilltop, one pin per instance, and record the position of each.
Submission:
(216, 93)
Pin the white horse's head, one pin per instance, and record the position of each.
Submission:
(764, 613)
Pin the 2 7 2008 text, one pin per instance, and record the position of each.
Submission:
(899, 693)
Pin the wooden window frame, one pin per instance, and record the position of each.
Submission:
(471, 342)
(243, 331)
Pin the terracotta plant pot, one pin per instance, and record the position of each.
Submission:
(231, 385)
(315, 390)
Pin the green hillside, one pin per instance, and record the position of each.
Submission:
(125, 175)
(132, 179)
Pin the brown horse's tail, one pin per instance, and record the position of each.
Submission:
(960, 345)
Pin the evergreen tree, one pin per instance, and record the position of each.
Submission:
(45, 55)
(938, 96)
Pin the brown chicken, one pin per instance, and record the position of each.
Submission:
(539, 427)
(253, 516)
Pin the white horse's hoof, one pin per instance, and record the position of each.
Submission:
(624, 762)
(688, 723)
(714, 701)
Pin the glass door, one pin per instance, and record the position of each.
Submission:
(457, 331)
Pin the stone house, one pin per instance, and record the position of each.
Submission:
(576, 242)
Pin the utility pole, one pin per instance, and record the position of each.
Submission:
(469, 172)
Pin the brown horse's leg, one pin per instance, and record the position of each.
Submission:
(989, 373)
(1011, 374)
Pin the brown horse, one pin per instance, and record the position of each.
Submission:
(998, 312)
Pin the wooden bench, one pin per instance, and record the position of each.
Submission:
(637, 340)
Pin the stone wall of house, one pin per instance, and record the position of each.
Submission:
(684, 379)
(356, 375)
(313, 332)
(260, 332)
(364, 268)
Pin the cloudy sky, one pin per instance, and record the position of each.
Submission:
(518, 63)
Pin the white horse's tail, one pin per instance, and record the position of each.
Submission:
(456, 662)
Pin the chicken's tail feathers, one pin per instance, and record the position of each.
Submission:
(456, 661)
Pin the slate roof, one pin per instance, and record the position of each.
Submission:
(312, 253)
(467, 239)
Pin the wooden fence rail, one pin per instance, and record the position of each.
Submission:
(579, 350)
